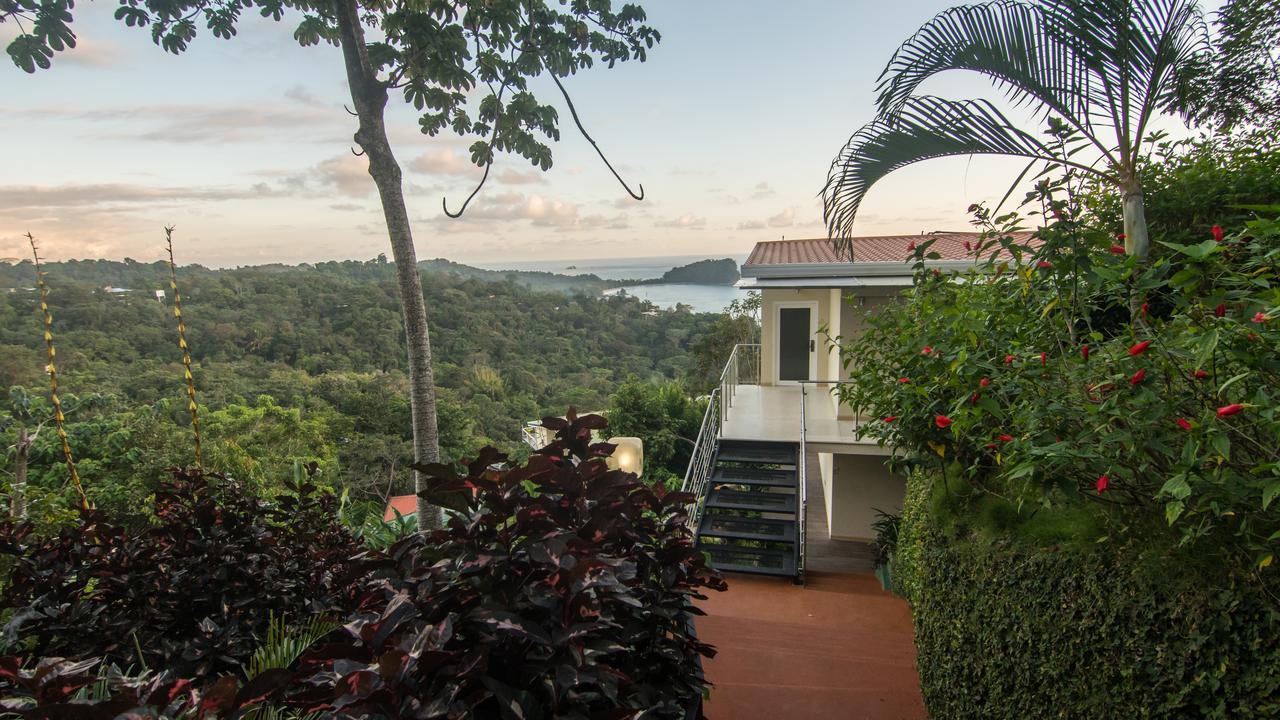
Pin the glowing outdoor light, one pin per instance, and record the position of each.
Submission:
(628, 456)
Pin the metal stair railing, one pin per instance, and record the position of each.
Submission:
(702, 462)
(745, 357)
(802, 488)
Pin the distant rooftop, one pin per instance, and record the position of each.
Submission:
(874, 249)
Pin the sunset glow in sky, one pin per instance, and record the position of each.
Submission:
(243, 145)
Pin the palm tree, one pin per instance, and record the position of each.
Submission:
(1102, 69)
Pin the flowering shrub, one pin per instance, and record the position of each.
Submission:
(1061, 372)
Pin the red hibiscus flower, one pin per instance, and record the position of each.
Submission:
(942, 421)
(1200, 374)
(1217, 232)
(984, 382)
(1221, 310)
(927, 349)
(1103, 483)
(904, 380)
(1229, 410)
(1117, 249)
(1084, 352)
(1008, 359)
(1121, 237)
(1182, 423)
(911, 246)
(1145, 308)
(1138, 377)
(890, 418)
(1044, 357)
(1260, 317)
(1005, 438)
(968, 246)
(1139, 348)
(1044, 265)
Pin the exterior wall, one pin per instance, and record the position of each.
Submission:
(769, 300)
(860, 485)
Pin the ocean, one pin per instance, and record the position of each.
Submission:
(702, 298)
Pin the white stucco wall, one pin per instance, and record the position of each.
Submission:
(860, 484)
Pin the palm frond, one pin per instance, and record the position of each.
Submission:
(924, 128)
(284, 644)
(1008, 42)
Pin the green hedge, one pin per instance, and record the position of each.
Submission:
(1009, 631)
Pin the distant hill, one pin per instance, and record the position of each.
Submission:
(148, 276)
(702, 272)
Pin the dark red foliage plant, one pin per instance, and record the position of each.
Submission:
(193, 592)
(561, 589)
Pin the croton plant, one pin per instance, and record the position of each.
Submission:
(559, 588)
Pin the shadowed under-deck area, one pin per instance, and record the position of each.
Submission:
(837, 647)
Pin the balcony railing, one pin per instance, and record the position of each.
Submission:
(743, 368)
(802, 519)
(703, 460)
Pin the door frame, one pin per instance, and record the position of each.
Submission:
(778, 306)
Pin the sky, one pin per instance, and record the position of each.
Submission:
(244, 146)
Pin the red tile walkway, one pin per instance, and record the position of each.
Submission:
(840, 647)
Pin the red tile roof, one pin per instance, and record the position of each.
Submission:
(884, 248)
(406, 504)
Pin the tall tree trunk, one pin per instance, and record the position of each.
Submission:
(1135, 218)
(18, 490)
(369, 94)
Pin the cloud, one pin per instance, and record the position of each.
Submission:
(442, 161)
(762, 190)
(538, 210)
(91, 54)
(752, 225)
(521, 177)
(348, 173)
(686, 221)
(786, 218)
(30, 197)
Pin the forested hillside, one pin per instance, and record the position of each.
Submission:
(306, 362)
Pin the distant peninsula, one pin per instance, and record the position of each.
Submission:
(702, 272)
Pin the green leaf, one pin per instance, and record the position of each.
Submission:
(1177, 487)
(1173, 510)
(1270, 493)
(1222, 444)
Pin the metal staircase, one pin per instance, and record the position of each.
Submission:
(748, 507)
(751, 518)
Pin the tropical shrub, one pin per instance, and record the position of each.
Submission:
(191, 593)
(1028, 380)
(559, 589)
(1005, 629)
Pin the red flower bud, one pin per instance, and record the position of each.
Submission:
(1044, 357)
(973, 399)
(1138, 377)
(991, 446)
(1103, 483)
(1005, 438)
(1260, 317)
(903, 380)
(1044, 265)
(1139, 348)
(1221, 310)
(1084, 352)
(937, 273)
(927, 349)
(1008, 359)
(1182, 423)
(1229, 410)
(942, 421)
(1117, 249)
(890, 418)
(1145, 308)
(1200, 374)
(1217, 232)
(984, 382)
(911, 246)
(1121, 236)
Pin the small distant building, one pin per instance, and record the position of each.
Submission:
(160, 295)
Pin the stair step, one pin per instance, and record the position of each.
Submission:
(753, 500)
(755, 477)
(745, 451)
(735, 558)
(741, 528)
